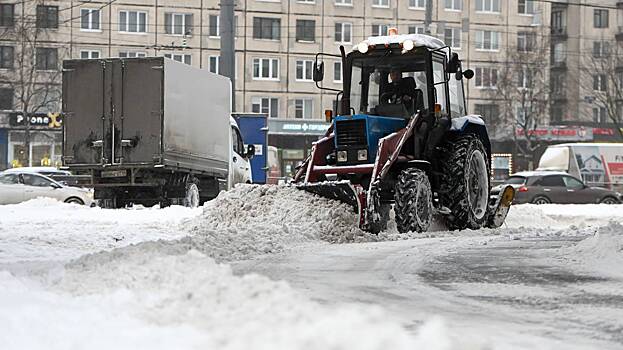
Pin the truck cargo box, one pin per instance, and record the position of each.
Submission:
(145, 112)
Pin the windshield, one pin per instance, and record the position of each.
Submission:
(388, 85)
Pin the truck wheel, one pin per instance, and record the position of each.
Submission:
(465, 183)
(191, 200)
(413, 201)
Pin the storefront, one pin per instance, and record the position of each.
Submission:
(35, 140)
(293, 140)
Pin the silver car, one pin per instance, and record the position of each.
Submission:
(17, 187)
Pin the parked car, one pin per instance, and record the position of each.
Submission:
(542, 187)
(16, 187)
(43, 170)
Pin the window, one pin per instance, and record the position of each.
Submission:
(343, 33)
(266, 28)
(486, 77)
(526, 41)
(7, 12)
(571, 182)
(89, 54)
(303, 108)
(266, 105)
(6, 99)
(305, 30)
(131, 54)
(601, 49)
(600, 18)
(600, 115)
(453, 5)
(213, 64)
(526, 7)
(558, 22)
(417, 30)
(560, 53)
(47, 16)
(417, 4)
(90, 19)
(266, 68)
(521, 117)
(524, 78)
(47, 58)
(487, 111)
(132, 22)
(599, 82)
(488, 6)
(557, 113)
(337, 71)
(307, 1)
(558, 84)
(380, 3)
(178, 23)
(344, 2)
(550, 181)
(379, 29)
(6, 57)
(487, 40)
(184, 58)
(304, 70)
(452, 37)
(213, 25)
(36, 180)
(9, 179)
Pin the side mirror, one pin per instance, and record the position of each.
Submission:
(250, 151)
(468, 74)
(318, 71)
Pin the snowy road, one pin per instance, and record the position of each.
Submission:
(256, 269)
(506, 294)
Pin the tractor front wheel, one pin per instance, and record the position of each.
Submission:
(413, 206)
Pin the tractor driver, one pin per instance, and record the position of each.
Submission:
(400, 90)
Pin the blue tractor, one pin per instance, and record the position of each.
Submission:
(401, 136)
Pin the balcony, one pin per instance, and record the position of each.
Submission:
(559, 33)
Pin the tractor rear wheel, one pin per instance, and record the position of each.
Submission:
(413, 201)
(465, 183)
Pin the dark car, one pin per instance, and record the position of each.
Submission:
(556, 187)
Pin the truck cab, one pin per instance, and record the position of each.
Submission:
(240, 165)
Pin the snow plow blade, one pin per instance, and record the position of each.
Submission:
(342, 191)
(500, 207)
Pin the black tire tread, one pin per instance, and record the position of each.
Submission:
(405, 208)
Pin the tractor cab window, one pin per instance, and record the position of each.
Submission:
(457, 97)
(439, 78)
(388, 86)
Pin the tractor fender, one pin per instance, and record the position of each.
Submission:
(472, 124)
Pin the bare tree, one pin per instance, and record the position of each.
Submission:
(35, 75)
(523, 91)
(603, 70)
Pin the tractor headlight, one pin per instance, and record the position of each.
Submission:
(362, 154)
(342, 156)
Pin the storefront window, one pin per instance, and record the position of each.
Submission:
(20, 156)
(41, 155)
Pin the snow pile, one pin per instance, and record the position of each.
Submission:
(560, 216)
(46, 229)
(601, 252)
(251, 220)
(140, 297)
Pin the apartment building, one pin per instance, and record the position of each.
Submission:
(578, 75)
(276, 41)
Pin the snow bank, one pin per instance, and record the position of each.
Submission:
(562, 215)
(46, 229)
(141, 297)
(601, 252)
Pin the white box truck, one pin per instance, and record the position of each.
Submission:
(151, 130)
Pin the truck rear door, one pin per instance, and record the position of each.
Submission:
(113, 110)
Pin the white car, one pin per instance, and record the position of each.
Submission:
(43, 170)
(17, 187)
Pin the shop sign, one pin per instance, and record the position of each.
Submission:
(296, 127)
(560, 134)
(44, 120)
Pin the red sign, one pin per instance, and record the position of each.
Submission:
(615, 168)
(603, 131)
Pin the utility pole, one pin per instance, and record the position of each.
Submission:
(227, 61)
(428, 19)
